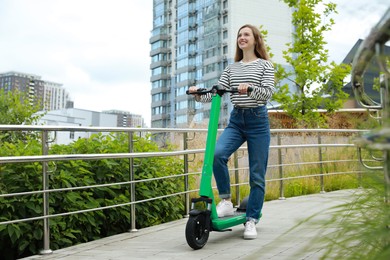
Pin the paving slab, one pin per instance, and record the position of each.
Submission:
(279, 236)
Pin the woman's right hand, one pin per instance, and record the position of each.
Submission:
(192, 89)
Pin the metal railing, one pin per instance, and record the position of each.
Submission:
(373, 47)
(282, 142)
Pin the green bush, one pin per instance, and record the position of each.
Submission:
(23, 239)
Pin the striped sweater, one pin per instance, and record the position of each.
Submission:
(259, 74)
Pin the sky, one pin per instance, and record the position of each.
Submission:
(99, 49)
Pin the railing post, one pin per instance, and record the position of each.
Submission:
(385, 94)
(387, 175)
(132, 184)
(186, 182)
(361, 167)
(321, 165)
(45, 186)
(237, 178)
(280, 162)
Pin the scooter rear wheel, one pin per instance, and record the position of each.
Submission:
(197, 233)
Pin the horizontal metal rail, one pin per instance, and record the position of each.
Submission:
(69, 157)
(46, 158)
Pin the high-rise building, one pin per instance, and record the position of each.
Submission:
(48, 95)
(192, 42)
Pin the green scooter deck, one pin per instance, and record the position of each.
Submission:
(220, 224)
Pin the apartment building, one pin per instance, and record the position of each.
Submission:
(192, 41)
(48, 95)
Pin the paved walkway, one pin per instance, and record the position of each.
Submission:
(167, 241)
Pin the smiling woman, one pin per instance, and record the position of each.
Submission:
(252, 75)
(88, 46)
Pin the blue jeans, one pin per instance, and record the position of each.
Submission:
(250, 125)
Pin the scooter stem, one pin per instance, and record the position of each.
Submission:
(207, 171)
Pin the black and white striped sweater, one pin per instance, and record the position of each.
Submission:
(259, 74)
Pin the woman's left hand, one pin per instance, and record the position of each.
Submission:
(243, 88)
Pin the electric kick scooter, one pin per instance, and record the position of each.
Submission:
(203, 218)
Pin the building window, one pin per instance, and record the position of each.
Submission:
(225, 34)
(182, 23)
(181, 91)
(157, 97)
(182, 36)
(225, 49)
(157, 110)
(182, 10)
(225, 19)
(156, 71)
(181, 119)
(159, 44)
(225, 4)
(182, 77)
(182, 105)
(155, 58)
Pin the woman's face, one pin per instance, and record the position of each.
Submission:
(245, 39)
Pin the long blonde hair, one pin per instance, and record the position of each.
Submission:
(260, 47)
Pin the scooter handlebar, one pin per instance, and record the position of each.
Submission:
(204, 91)
(199, 91)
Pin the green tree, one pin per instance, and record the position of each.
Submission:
(15, 109)
(315, 82)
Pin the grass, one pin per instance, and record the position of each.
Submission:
(298, 163)
(359, 230)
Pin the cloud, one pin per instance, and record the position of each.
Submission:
(354, 21)
(98, 49)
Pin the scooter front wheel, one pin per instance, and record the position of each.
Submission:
(197, 232)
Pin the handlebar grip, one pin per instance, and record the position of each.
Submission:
(199, 91)
(235, 89)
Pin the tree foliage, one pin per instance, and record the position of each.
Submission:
(23, 239)
(15, 109)
(313, 82)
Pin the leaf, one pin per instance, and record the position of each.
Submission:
(23, 245)
(13, 232)
(38, 233)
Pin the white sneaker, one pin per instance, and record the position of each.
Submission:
(250, 230)
(225, 208)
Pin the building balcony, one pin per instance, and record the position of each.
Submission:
(160, 77)
(188, 82)
(211, 75)
(158, 37)
(192, 12)
(160, 103)
(192, 39)
(163, 63)
(211, 60)
(160, 117)
(185, 69)
(159, 50)
(192, 53)
(159, 90)
(183, 97)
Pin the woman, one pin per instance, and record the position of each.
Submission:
(248, 122)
